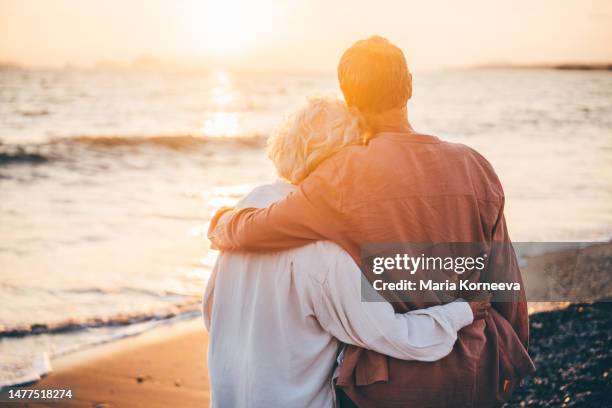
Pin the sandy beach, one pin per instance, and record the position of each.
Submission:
(162, 368)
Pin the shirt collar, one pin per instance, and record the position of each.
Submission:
(408, 137)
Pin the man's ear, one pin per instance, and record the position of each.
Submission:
(409, 86)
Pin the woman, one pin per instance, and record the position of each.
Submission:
(278, 319)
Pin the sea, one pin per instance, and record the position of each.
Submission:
(108, 179)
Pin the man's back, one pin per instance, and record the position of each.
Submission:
(420, 190)
(411, 188)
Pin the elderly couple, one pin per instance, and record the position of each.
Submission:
(285, 306)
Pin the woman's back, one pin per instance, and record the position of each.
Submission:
(266, 346)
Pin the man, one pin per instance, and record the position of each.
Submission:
(404, 187)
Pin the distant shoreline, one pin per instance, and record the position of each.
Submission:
(155, 65)
(560, 67)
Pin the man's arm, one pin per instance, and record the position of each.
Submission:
(424, 334)
(503, 267)
(311, 213)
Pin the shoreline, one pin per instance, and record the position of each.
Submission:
(155, 335)
(159, 368)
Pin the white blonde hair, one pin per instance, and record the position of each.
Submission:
(312, 134)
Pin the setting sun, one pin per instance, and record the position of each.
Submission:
(226, 27)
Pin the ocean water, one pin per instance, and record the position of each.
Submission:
(108, 180)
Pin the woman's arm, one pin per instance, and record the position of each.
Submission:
(425, 335)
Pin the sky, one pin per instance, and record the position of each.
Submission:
(303, 34)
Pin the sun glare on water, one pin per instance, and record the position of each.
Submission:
(223, 120)
(227, 27)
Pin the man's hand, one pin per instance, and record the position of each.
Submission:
(221, 216)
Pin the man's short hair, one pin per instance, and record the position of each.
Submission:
(374, 76)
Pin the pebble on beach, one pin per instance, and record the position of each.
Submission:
(573, 358)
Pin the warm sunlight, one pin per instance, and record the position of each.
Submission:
(189, 208)
(226, 27)
(222, 121)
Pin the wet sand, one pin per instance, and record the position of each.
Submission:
(163, 368)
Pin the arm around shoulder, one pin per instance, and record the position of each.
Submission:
(424, 335)
(308, 214)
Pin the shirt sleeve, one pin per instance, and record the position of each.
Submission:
(504, 268)
(311, 213)
(425, 334)
(208, 297)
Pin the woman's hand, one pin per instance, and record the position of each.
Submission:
(480, 303)
(480, 309)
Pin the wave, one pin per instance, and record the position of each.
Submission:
(175, 142)
(63, 148)
(34, 112)
(73, 325)
(27, 359)
(21, 156)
